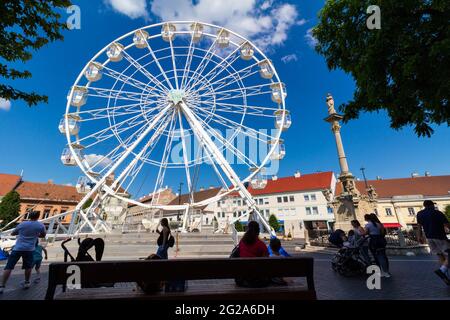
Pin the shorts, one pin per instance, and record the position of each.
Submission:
(14, 256)
(439, 246)
(36, 264)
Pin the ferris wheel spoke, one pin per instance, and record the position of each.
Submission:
(144, 71)
(152, 53)
(174, 65)
(131, 81)
(131, 168)
(102, 134)
(215, 70)
(241, 156)
(250, 132)
(165, 155)
(187, 66)
(226, 167)
(235, 76)
(242, 109)
(185, 153)
(116, 94)
(114, 155)
(128, 151)
(203, 63)
(99, 112)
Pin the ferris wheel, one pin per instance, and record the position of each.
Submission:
(171, 100)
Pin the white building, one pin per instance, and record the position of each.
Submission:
(297, 202)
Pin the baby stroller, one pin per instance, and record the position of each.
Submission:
(349, 261)
(83, 255)
(83, 249)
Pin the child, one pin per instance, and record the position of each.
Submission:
(37, 260)
(275, 248)
(350, 241)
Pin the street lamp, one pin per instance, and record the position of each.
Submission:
(179, 200)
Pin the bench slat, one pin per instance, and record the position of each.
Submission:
(187, 269)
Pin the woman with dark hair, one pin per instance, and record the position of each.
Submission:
(163, 239)
(360, 240)
(377, 242)
(250, 245)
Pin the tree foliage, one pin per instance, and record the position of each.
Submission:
(273, 222)
(402, 68)
(447, 212)
(9, 207)
(87, 204)
(238, 225)
(26, 26)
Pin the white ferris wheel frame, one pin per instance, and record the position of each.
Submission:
(201, 134)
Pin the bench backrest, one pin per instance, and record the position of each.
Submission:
(181, 269)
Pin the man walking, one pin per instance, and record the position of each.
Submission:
(27, 234)
(434, 223)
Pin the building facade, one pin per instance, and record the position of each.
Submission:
(48, 199)
(400, 199)
(296, 201)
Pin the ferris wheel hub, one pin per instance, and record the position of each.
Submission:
(176, 96)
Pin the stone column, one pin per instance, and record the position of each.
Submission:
(350, 204)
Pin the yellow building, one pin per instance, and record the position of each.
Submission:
(399, 200)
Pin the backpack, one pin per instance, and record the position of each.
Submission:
(235, 252)
(171, 241)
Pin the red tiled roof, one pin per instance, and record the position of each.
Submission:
(8, 182)
(48, 191)
(426, 186)
(312, 181)
(198, 196)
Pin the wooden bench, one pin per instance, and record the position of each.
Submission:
(196, 271)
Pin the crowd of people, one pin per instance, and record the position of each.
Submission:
(432, 225)
(369, 239)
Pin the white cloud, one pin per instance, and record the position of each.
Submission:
(289, 58)
(263, 21)
(131, 8)
(312, 42)
(5, 104)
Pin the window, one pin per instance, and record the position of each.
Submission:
(411, 211)
(306, 197)
(260, 201)
(308, 210)
(47, 212)
(291, 198)
(388, 211)
(279, 199)
(285, 199)
(234, 214)
(315, 210)
(266, 200)
(330, 210)
(313, 197)
(239, 202)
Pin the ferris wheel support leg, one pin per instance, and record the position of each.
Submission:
(185, 220)
(211, 147)
(116, 165)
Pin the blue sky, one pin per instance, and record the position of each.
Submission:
(30, 139)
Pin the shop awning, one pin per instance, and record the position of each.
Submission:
(392, 225)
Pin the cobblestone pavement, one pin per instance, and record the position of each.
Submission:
(413, 278)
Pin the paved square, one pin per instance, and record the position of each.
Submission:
(413, 278)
